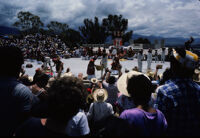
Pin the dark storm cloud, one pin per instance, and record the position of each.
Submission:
(7, 13)
(149, 17)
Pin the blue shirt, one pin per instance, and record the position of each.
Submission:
(15, 100)
(77, 126)
(179, 100)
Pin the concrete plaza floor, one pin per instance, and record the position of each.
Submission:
(78, 65)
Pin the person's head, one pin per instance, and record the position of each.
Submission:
(100, 95)
(111, 80)
(80, 76)
(25, 80)
(167, 74)
(94, 80)
(66, 96)
(11, 59)
(136, 85)
(41, 80)
(140, 89)
(91, 62)
(183, 63)
(149, 50)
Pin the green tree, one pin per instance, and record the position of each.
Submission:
(28, 22)
(93, 32)
(127, 36)
(57, 27)
(115, 23)
(71, 37)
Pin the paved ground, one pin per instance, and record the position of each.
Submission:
(78, 65)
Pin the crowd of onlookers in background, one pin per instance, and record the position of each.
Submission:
(119, 104)
(39, 46)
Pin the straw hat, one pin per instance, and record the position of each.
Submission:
(189, 61)
(98, 93)
(30, 78)
(123, 80)
(150, 73)
(68, 74)
(94, 80)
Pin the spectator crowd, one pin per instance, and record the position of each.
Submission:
(118, 104)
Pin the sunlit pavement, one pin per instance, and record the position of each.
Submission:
(78, 65)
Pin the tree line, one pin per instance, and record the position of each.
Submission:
(91, 32)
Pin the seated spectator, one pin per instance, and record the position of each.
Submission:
(145, 120)
(67, 96)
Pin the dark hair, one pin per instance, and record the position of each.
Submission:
(66, 96)
(178, 70)
(167, 74)
(111, 80)
(140, 89)
(41, 80)
(25, 80)
(11, 58)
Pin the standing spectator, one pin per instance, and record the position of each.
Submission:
(99, 110)
(16, 99)
(179, 97)
(139, 59)
(67, 97)
(149, 59)
(91, 69)
(145, 120)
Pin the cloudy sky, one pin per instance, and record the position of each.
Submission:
(167, 18)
